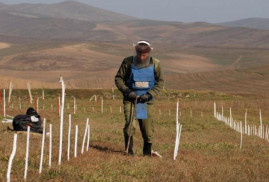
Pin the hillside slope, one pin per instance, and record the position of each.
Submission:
(256, 23)
(64, 10)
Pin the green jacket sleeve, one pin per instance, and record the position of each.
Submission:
(122, 74)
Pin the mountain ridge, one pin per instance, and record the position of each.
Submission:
(256, 23)
(65, 10)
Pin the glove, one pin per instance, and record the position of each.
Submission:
(145, 98)
(131, 95)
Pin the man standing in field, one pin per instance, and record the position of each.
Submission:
(140, 79)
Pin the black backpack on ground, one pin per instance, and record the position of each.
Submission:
(32, 119)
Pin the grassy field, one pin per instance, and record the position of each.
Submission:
(209, 150)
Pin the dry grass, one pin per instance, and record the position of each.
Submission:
(209, 150)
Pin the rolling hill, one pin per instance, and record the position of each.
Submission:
(94, 65)
(63, 10)
(38, 43)
(64, 21)
(255, 23)
(174, 33)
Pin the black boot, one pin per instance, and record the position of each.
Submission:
(147, 149)
(126, 138)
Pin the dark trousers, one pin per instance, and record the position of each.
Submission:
(146, 125)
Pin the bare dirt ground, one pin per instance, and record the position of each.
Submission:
(4, 45)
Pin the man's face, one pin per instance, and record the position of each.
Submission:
(143, 56)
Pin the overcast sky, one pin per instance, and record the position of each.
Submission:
(212, 11)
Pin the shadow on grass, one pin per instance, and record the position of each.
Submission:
(106, 149)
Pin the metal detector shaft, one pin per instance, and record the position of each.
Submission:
(132, 113)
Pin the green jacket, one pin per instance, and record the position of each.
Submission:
(124, 72)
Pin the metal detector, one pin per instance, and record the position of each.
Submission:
(131, 120)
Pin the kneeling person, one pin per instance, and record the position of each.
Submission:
(32, 119)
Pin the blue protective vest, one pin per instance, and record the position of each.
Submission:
(141, 81)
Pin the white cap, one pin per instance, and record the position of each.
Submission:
(143, 42)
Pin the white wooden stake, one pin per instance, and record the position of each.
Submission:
(12, 157)
(84, 137)
(231, 117)
(75, 105)
(241, 131)
(50, 146)
(246, 115)
(179, 135)
(43, 95)
(59, 104)
(27, 152)
(76, 141)
(93, 97)
(177, 132)
(222, 112)
(20, 102)
(4, 100)
(215, 109)
(261, 127)
(37, 105)
(62, 121)
(42, 146)
(89, 136)
(176, 142)
(30, 93)
(69, 138)
(102, 105)
(10, 91)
